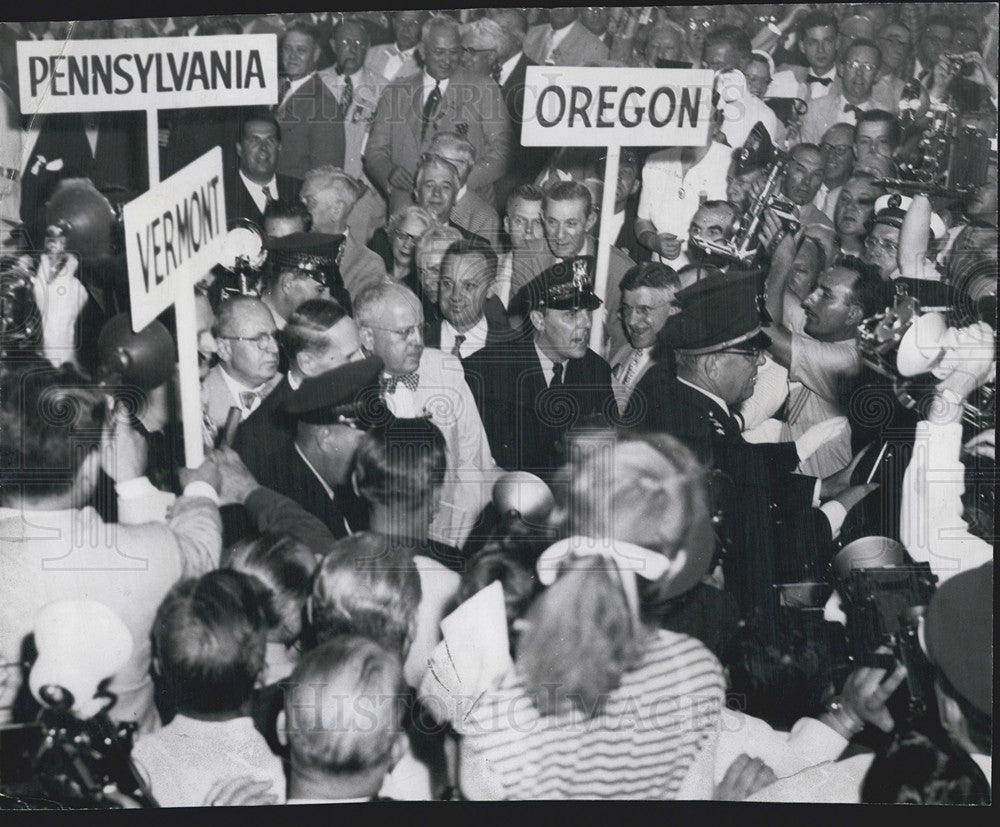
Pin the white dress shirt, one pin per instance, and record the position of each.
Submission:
(429, 84)
(257, 190)
(548, 366)
(818, 90)
(236, 388)
(475, 338)
(505, 274)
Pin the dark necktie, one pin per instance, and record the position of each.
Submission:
(814, 79)
(456, 349)
(283, 86)
(389, 383)
(557, 374)
(348, 96)
(857, 110)
(430, 106)
(267, 194)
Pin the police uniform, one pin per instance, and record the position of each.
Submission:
(776, 534)
(526, 412)
(266, 444)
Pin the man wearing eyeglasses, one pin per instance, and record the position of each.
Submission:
(357, 88)
(395, 61)
(838, 163)
(444, 97)
(422, 381)
(564, 41)
(856, 72)
(718, 344)
(247, 348)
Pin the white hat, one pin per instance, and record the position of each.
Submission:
(896, 206)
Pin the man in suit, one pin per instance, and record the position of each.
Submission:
(332, 411)
(818, 38)
(358, 89)
(301, 266)
(511, 66)
(569, 217)
(443, 98)
(257, 181)
(330, 193)
(564, 41)
(776, 534)
(469, 211)
(311, 118)
(856, 72)
(531, 392)
(437, 186)
(422, 381)
(398, 60)
(471, 318)
(318, 337)
(247, 371)
(646, 303)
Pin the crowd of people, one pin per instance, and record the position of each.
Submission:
(466, 526)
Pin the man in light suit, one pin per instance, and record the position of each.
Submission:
(244, 333)
(470, 212)
(395, 61)
(312, 122)
(358, 89)
(329, 193)
(857, 71)
(564, 41)
(442, 98)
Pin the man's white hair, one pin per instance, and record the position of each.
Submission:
(487, 32)
(440, 21)
(438, 161)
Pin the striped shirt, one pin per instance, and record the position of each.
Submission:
(640, 746)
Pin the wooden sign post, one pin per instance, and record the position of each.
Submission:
(612, 108)
(174, 231)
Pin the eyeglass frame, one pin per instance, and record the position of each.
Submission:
(870, 68)
(260, 339)
(403, 332)
(887, 244)
(839, 150)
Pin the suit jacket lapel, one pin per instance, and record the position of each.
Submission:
(416, 95)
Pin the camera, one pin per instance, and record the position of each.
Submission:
(960, 66)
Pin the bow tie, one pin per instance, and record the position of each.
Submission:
(814, 79)
(857, 110)
(390, 383)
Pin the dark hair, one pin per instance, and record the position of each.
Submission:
(868, 288)
(882, 116)
(731, 36)
(50, 420)
(285, 567)
(777, 670)
(403, 462)
(569, 191)
(210, 637)
(649, 274)
(252, 114)
(520, 585)
(219, 25)
(524, 192)
(307, 326)
(866, 43)
(806, 145)
(917, 769)
(287, 208)
(937, 20)
(472, 247)
(367, 586)
(815, 19)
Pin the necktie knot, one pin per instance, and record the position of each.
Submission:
(557, 374)
(390, 383)
(284, 84)
(822, 81)
(248, 398)
(456, 349)
(267, 194)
